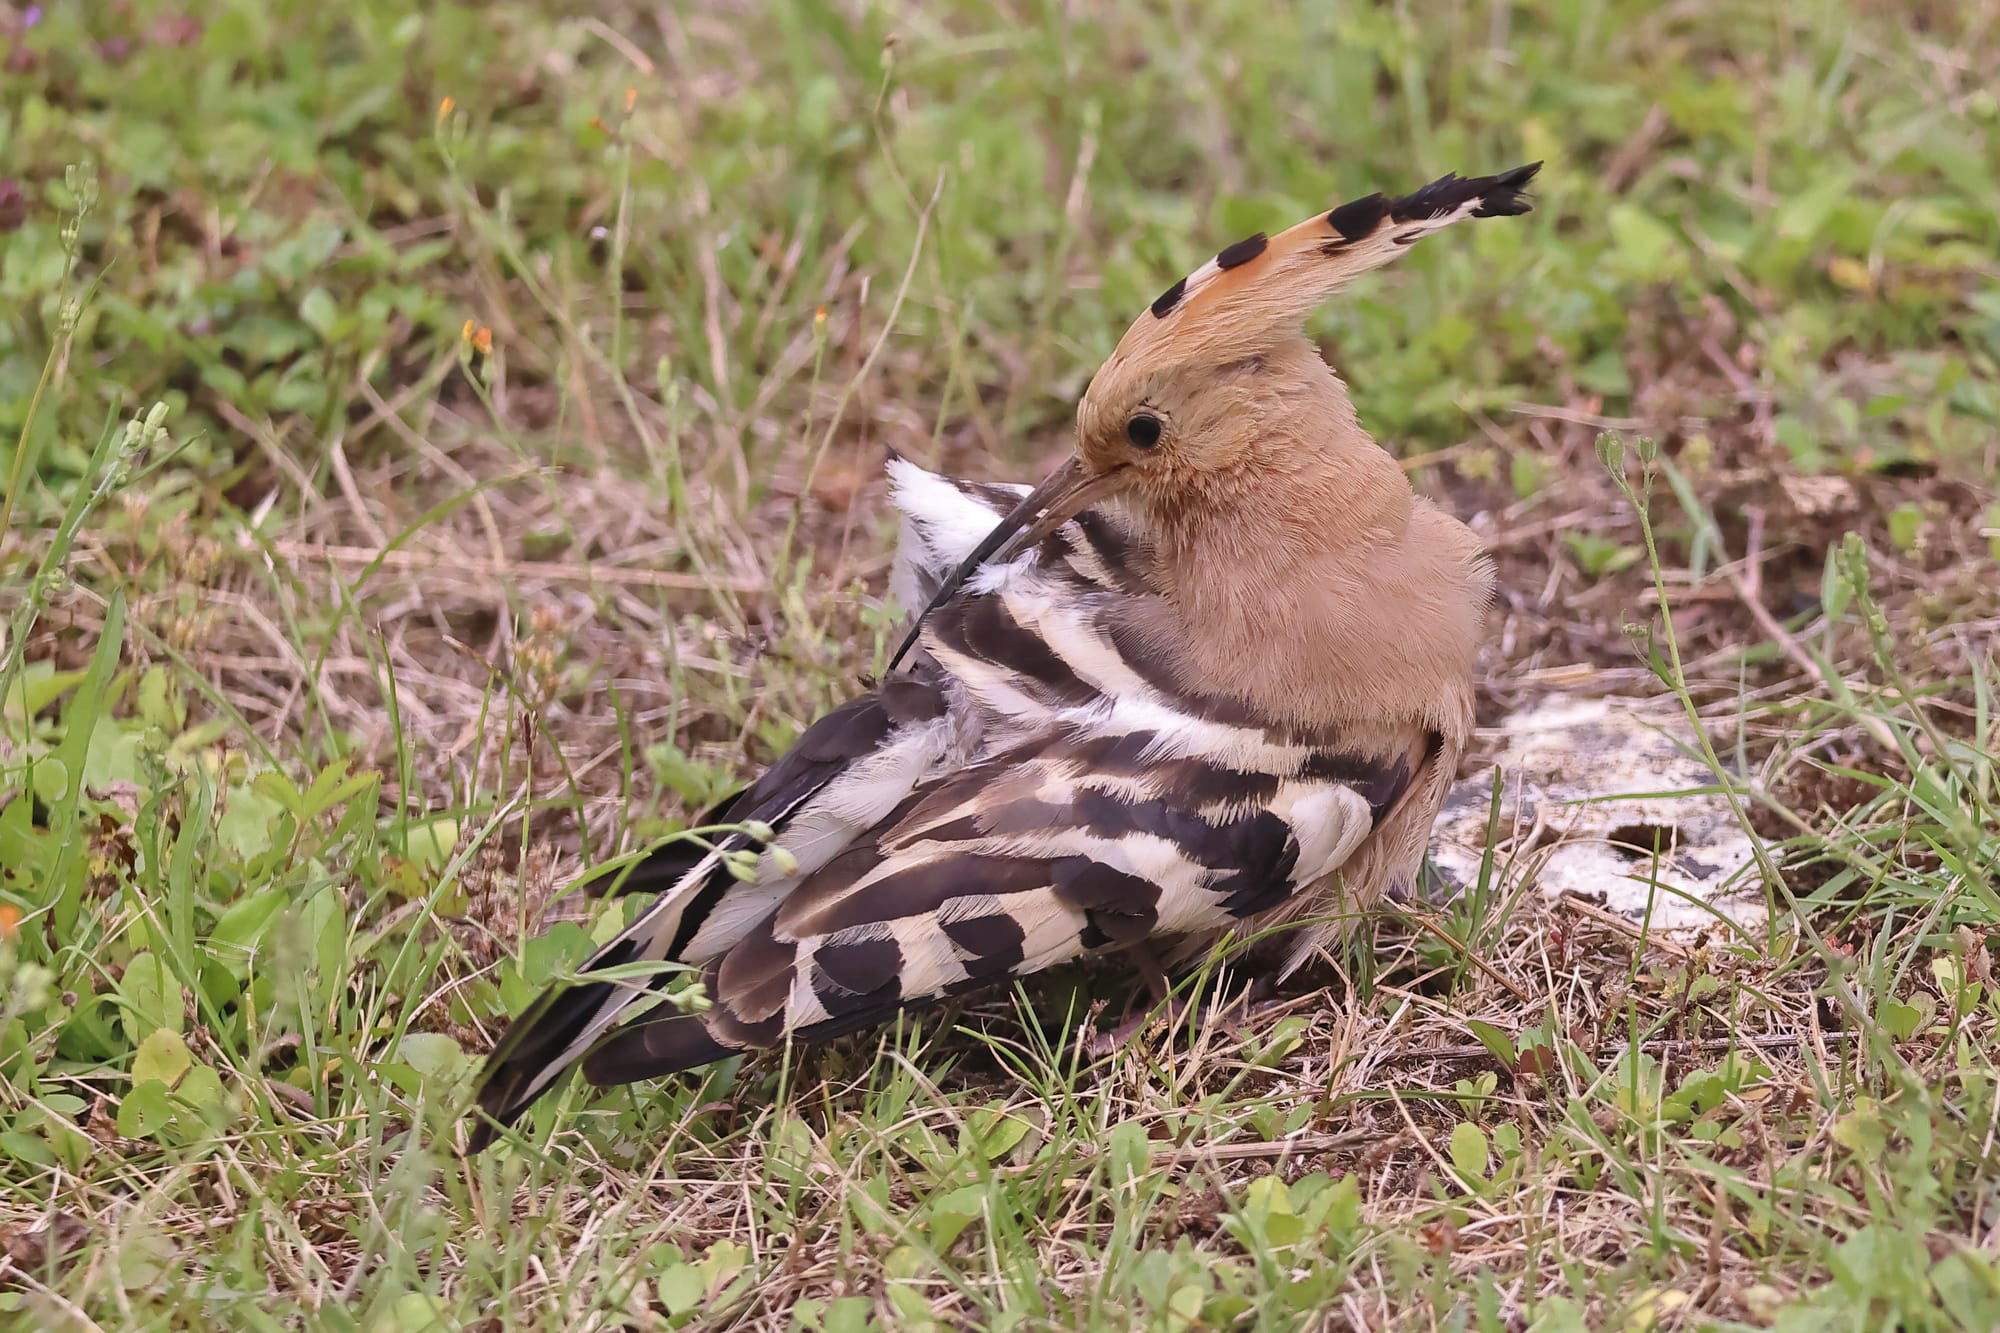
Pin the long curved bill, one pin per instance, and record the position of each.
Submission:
(1067, 492)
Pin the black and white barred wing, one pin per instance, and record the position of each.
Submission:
(846, 773)
(844, 776)
(1063, 846)
(849, 770)
(841, 775)
(1108, 807)
(1036, 787)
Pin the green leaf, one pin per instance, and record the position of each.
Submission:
(50, 778)
(144, 1110)
(319, 312)
(542, 959)
(726, 1260)
(163, 1056)
(24, 850)
(1559, 1314)
(115, 755)
(79, 722)
(1129, 1152)
(952, 1212)
(1862, 1131)
(1494, 1040)
(1469, 1154)
(38, 686)
(1285, 1036)
(251, 822)
(1267, 1195)
(29, 1148)
(278, 788)
(324, 917)
(912, 1309)
(793, 1155)
(681, 1288)
(434, 1055)
(411, 1312)
(143, 1254)
(159, 704)
(1599, 556)
(1284, 1229)
(849, 1314)
(1969, 1288)
(1269, 1214)
(1901, 1021)
(1804, 212)
(430, 843)
(1906, 524)
(1799, 441)
(202, 1089)
(1343, 1209)
(206, 1101)
(242, 927)
(152, 994)
(1527, 473)
(993, 1132)
(1648, 248)
(333, 787)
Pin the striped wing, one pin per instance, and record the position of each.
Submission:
(846, 772)
(1067, 845)
(1121, 809)
(1036, 787)
(850, 769)
(844, 776)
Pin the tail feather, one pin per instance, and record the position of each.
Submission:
(569, 1021)
(651, 1050)
(566, 1020)
(538, 1045)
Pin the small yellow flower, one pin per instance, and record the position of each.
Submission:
(819, 318)
(465, 331)
(445, 104)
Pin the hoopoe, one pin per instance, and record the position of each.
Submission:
(1213, 675)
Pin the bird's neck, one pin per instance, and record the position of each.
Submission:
(1319, 589)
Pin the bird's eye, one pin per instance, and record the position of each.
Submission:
(1143, 430)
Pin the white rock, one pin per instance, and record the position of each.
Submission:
(1589, 788)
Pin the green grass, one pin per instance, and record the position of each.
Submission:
(318, 680)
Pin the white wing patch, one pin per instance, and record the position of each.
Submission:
(1328, 821)
(941, 526)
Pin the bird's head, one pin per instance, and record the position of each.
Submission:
(1215, 390)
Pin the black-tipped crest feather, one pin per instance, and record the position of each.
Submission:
(1498, 196)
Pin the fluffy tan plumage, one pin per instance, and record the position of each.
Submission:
(1213, 675)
